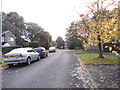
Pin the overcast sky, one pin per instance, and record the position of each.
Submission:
(53, 15)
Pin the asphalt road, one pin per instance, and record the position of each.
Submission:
(55, 71)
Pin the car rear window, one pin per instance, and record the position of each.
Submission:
(30, 50)
(38, 50)
(19, 50)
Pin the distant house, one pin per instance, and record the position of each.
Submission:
(8, 39)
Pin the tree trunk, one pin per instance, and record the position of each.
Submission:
(100, 51)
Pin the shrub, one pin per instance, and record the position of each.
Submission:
(34, 44)
(25, 44)
(8, 49)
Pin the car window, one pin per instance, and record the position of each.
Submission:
(37, 50)
(42, 50)
(17, 50)
(52, 48)
(20, 50)
(30, 51)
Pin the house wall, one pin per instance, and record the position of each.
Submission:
(8, 34)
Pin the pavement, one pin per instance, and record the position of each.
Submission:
(111, 55)
(105, 76)
(102, 76)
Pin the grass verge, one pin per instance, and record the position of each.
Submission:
(3, 64)
(92, 59)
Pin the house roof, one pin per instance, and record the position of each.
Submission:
(9, 32)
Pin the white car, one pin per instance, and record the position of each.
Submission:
(21, 55)
(52, 49)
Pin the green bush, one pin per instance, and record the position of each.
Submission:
(34, 44)
(8, 49)
(25, 44)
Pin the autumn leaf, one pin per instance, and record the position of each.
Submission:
(106, 46)
(94, 3)
(95, 9)
(81, 15)
(110, 48)
(87, 16)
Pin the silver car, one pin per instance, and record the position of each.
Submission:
(21, 55)
(52, 49)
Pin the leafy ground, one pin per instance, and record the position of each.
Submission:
(92, 59)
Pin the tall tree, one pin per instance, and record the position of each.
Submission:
(44, 38)
(53, 43)
(31, 30)
(100, 27)
(60, 42)
(15, 23)
(73, 39)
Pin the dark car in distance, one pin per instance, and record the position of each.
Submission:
(42, 52)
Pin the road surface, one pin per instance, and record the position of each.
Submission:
(55, 71)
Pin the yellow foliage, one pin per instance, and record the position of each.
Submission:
(115, 29)
(94, 2)
(95, 9)
(110, 48)
(117, 54)
(110, 32)
(106, 46)
(114, 20)
(107, 41)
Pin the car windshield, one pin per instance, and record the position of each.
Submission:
(52, 48)
(39, 49)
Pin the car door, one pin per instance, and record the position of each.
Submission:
(32, 54)
(36, 54)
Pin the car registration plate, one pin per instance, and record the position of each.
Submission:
(12, 56)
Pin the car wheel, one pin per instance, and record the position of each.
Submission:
(28, 61)
(44, 55)
(38, 58)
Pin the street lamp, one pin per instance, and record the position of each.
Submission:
(1, 41)
(1, 31)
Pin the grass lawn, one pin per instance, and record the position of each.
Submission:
(92, 59)
(79, 51)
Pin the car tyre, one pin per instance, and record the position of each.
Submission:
(28, 61)
(45, 55)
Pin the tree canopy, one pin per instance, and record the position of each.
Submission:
(31, 31)
(60, 42)
(101, 28)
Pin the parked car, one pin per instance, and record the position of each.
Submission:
(52, 49)
(42, 52)
(21, 55)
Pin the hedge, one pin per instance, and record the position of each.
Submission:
(34, 44)
(8, 49)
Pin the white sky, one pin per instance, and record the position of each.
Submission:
(53, 15)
